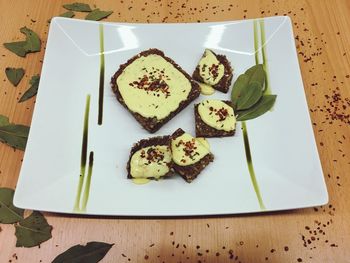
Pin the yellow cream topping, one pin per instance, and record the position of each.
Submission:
(188, 150)
(217, 114)
(210, 68)
(150, 162)
(153, 87)
(204, 142)
(140, 180)
(206, 89)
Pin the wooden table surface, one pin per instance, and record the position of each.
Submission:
(322, 234)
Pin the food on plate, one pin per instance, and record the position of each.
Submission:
(206, 89)
(214, 118)
(150, 159)
(153, 88)
(190, 155)
(214, 70)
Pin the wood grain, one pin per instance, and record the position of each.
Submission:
(322, 30)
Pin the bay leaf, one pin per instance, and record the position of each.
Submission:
(91, 253)
(256, 73)
(14, 75)
(4, 120)
(8, 212)
(252, 95)
(264, 104)
(17, 48)
(97, 14)
(68, 14)
(79, 7)
(33, 42)
(22, 48)
(33, 90)
(32, 231)
(238, 87)
(14, 135)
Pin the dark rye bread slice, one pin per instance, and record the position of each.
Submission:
(204, 130)
(190, 172)
(160, 140)
(153, 124)
(224, 84)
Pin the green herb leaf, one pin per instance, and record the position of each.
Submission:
(257, 74)
(68, 14)
(264, 104)
(252, 95)
(91, 253)
(33, 90)
(8, 212)
(33, 42)
(4, 120)
(32, 231)
(238, 88)
(17, 48)
(245, 91)
(14, 135)
(79, 7)
(21, 48)
(97, 14)
(14, 75)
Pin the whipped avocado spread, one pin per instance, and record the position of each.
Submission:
(217, 114)
(150, 162)
(210, 68)
(188, 150)
(204, 141)
(152, 87)
(206, 89)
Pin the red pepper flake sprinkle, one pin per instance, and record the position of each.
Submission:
(152, 155)
(154, 81)
(189, 148)
(214, 70)
(222, 113)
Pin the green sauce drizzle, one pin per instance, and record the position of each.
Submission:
(250, 166)
(88, 182)
(263, 51)
(102, 77)
(267, 91)
(83, 152)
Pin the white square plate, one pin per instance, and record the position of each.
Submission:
(282, 144)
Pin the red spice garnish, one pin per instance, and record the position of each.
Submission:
(336, 107)
(214, 70)
(152, 155)
(222, 113)
(153, 81)
(189, 148)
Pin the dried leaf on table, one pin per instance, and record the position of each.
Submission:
(32, 231)
(92, 252)
(8, 212)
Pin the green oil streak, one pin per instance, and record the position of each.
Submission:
(83, 152)
(256, 42)
(102, 77)
(263, 51)
(250, 166)
(88, 182)
(245, 130)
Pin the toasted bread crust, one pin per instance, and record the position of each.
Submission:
(153, 124)
(190, 172)
(159, 140)
(224, 84)
(204, 130)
